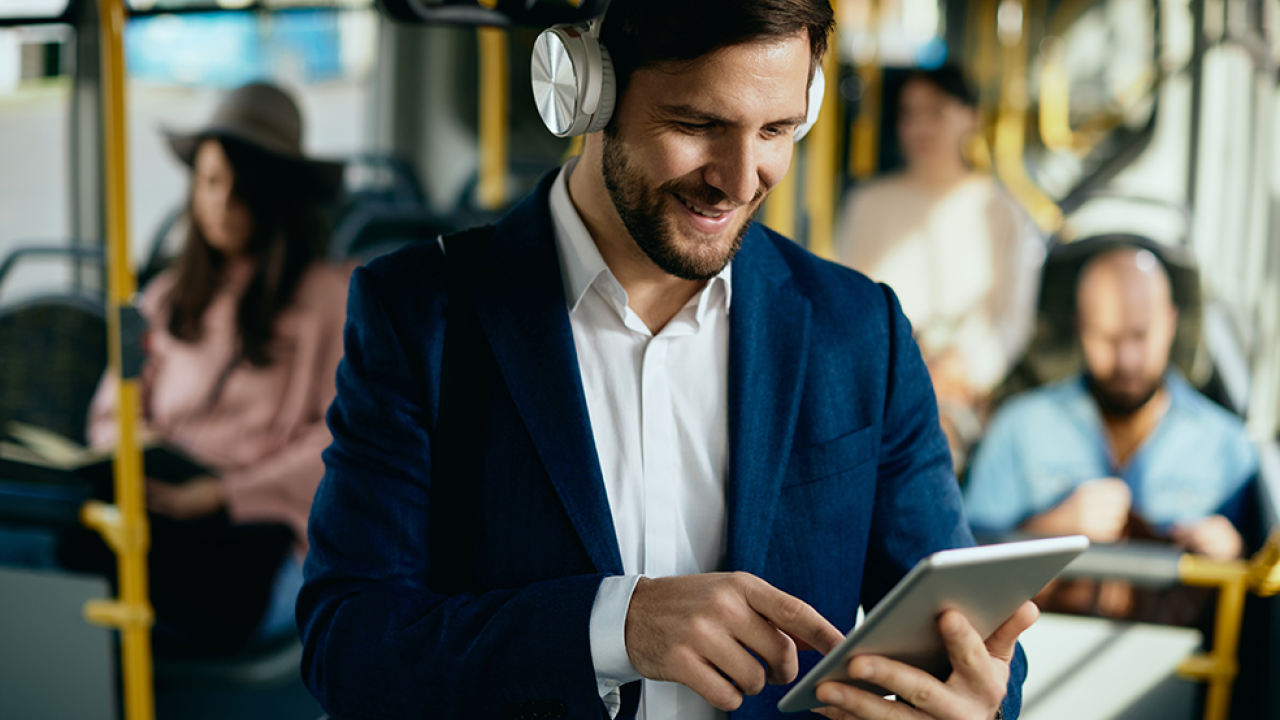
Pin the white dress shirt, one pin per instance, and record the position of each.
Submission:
(659, 413)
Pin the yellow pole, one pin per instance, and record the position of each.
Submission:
(124, 525)
(494, 117)
(864, 149)
(820, 183)
(1219, 666)
(780, 209)
(1011, 129)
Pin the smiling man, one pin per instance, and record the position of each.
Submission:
(627, 453)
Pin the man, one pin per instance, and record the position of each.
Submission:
(652, 413)
(1130, 437)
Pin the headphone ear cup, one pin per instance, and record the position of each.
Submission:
(817, 90)
(572, 78)
(608, 94)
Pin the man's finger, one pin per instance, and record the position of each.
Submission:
(911, 684)
(703, 679)
(1003, 640)
(735, 664)
(791, 615)
(969, 655)
(771, 645)
(862, 705)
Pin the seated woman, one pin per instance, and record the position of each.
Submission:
(245, 335)
(959, 252)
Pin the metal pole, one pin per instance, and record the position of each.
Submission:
(823, 150)
(124, 525)
(494, 117)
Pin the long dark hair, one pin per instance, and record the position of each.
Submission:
(287, 235)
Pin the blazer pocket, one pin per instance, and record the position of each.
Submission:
(816, 462)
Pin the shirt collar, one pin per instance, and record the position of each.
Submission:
(581, 264)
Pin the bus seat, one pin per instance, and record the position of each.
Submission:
(53, 350)
(369, 232)
(1054, 352)
(382, 179)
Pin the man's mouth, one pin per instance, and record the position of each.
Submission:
(701, 209)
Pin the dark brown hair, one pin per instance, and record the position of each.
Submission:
(644, 33)
(949, 80)
(287, 231)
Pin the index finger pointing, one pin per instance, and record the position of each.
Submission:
(792, 616)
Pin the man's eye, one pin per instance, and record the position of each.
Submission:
(692, 127)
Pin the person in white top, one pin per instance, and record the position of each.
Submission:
(699, 447)
(961, 254)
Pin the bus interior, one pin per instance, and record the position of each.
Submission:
(1151, 120)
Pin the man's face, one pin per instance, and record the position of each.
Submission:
(1126, 335)
(932, 125)
(696, 147)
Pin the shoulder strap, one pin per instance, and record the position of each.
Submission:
(458, 441)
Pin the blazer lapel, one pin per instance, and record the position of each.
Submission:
(768, 354)
(526, 321)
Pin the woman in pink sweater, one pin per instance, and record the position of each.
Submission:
(245, 335)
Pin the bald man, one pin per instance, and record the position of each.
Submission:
(1127, 436)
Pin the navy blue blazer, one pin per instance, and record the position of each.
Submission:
(839, 479)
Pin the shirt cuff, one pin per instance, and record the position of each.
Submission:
(609, 633)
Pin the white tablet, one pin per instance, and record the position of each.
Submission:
(987, 584)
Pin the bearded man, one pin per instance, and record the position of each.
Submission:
(679, 450)
(1128, 440)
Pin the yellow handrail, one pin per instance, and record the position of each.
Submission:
(1219, 667)
(1055, 102)
(780, 208)
(866, 127)
(124, 525)
(823, 153)
(494, 117)
(1011, 129)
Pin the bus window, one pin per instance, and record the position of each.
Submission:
(181, 65)
(35, 129)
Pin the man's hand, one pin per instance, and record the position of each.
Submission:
(1214, 537)
(979, 677)
(1098, 509)
(192, 499)
(697, 630)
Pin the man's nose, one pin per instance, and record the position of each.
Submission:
(1130, 355)
(734, 168)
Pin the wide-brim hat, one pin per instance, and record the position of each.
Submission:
(265, 117)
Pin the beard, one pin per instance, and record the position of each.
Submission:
(644, 211)
(1120, 403)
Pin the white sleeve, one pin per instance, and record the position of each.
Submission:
(609, 637)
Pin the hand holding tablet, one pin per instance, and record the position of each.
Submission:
(935, 621)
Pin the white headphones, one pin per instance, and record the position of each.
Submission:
(574, 87)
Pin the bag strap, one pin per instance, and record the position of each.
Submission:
(458, 441)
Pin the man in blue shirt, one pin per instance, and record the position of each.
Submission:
(1128, 436)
